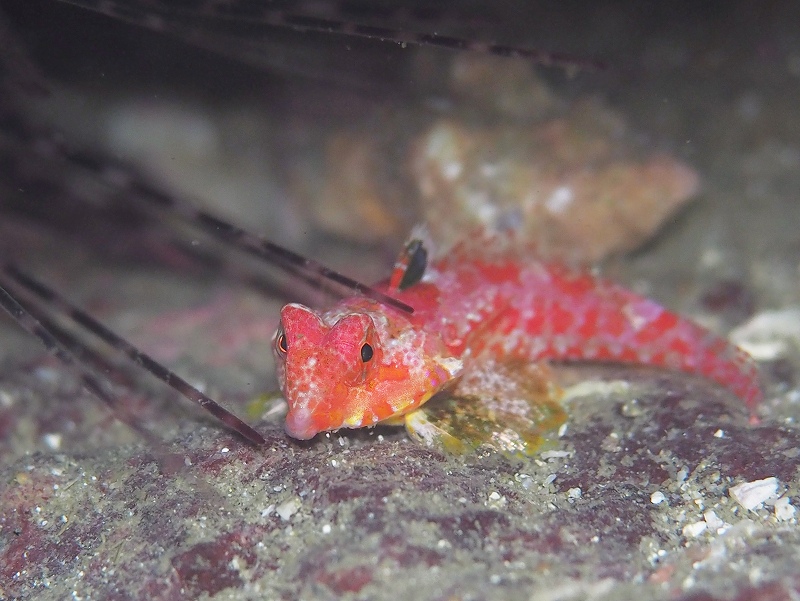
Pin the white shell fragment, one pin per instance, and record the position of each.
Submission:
(784, 510)
(769, 334)
(555, 454)
(288, 508)
(751, 495)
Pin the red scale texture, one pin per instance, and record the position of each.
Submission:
(571, 313)
(470, 308)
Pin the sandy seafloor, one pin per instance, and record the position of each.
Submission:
(633, 501)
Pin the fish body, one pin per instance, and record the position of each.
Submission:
(362, 362)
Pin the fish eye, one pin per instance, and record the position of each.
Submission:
(366, 352)
(281, 344)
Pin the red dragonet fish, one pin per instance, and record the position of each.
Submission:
(363, 362)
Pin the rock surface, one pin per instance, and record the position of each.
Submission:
(661, 486)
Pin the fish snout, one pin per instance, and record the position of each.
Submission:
(299, 424)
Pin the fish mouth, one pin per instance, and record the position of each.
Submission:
(299, 425)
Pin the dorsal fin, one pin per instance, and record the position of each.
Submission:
(410, 266)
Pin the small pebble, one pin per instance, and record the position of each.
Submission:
(784, 510)
(287, 509)
(694, 530)
(53, 441)
(713, 520)
(632, 408)
(496, 500)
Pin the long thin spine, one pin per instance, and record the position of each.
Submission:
(296, 265)
(371, 32)
(151, 365)
(62, 351)
(82, 353)
(277, 255)
(258, 19)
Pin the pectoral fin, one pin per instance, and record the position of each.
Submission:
(509, 406)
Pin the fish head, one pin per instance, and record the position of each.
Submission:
(355, 366)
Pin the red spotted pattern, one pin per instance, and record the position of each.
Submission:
(502, 308)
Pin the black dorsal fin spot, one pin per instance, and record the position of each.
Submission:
(417, 256)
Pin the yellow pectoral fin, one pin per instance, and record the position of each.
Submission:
(423, 430)
(395, 420)
(402, 410)
(511, 407)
